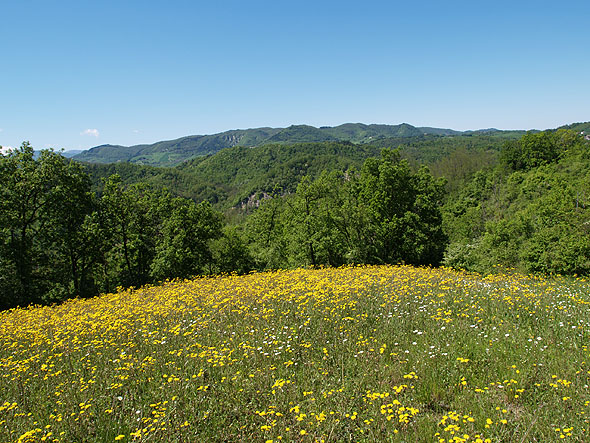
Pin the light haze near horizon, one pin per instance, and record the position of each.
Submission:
(81, 74)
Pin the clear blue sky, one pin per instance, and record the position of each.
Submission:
(78, 74)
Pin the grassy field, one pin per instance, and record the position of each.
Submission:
(387, 353)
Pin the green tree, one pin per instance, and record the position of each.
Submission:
(231, 253)
(385, 214)
(67, 234)
(536, 149)
(313, 236)
(404, 221)
(266, 231)
(185, 249)
(43, 204)
(532, 216)
(129, 220)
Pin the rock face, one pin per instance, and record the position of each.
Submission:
(233, 139)
(255, 200)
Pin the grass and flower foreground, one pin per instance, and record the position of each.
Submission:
(385, 353)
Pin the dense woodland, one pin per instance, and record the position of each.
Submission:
(482, 201)
(531, 211)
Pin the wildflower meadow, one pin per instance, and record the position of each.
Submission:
(367, 353)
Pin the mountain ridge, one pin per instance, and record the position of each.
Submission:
(173, 152)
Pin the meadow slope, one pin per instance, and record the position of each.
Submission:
(380, 353)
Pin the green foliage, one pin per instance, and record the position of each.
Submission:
(231, 253)
(578, 127)
(404, 219)
(57, 241)
(315, 221)
(43, 202)
(431, 149)
(184, 249)
(151, 236)
(130, 220)
(537, 149)
(172, 152)
(532, 216)
(301, 134)
(460, 165)
(246, 172)
(384, 214)
(266, 234)
(237, 176)
(306, 204)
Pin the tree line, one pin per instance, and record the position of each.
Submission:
(58, 239)
(61, 236)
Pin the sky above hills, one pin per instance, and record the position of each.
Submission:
(80, 74)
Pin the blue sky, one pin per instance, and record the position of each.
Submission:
(79, 74)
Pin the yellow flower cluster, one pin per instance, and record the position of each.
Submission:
(362, 353)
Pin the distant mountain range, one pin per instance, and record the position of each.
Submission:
(173, 152)
(71, 153)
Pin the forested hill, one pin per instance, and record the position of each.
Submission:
(173, 152)
(236, 175)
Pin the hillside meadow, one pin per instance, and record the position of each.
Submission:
(366, 353)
